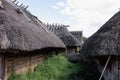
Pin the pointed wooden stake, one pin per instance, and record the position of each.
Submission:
(14, 1)
(21, 5)
(26, 7)
(17, 2)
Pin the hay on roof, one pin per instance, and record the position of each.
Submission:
(106, 41)
(20, 30)
(62, 32)
(78, 35)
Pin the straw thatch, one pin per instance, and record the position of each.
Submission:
(106, 41)
(78, 35)
(62, 32)
(20, 30)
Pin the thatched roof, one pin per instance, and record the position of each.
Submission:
(78, 35)
(62, 32)
(106, 41)
(20, 30)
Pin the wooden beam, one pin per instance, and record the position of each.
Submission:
(105, 67)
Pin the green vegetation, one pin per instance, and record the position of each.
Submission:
(59, 68)
(84, 38)
(55, 68)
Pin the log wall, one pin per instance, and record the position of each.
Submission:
(21, 64)
(1, 67)
(73, 50)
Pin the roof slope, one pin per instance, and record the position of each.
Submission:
(20, 30)
(106, 41)
(62, 32)
(78, 35)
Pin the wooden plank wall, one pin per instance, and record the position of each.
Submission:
(21, 64)
(1, 67)
(112, 71)
(73, 50)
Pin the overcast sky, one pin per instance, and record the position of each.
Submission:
(85, 15)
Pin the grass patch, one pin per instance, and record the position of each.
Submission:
(59, 68)
(54, 68)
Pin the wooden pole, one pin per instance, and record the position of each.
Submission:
(105, 67)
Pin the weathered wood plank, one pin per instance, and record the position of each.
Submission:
(21, 64)
(1, 72)
(114, 69)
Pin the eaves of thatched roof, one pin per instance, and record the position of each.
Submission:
(106, 41)
(20, 30)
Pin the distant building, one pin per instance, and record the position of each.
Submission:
(78, 35)
(72, 43)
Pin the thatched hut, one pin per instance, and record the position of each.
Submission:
(104, 48)
(72, 43)
(78, 35)
(24, 41)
